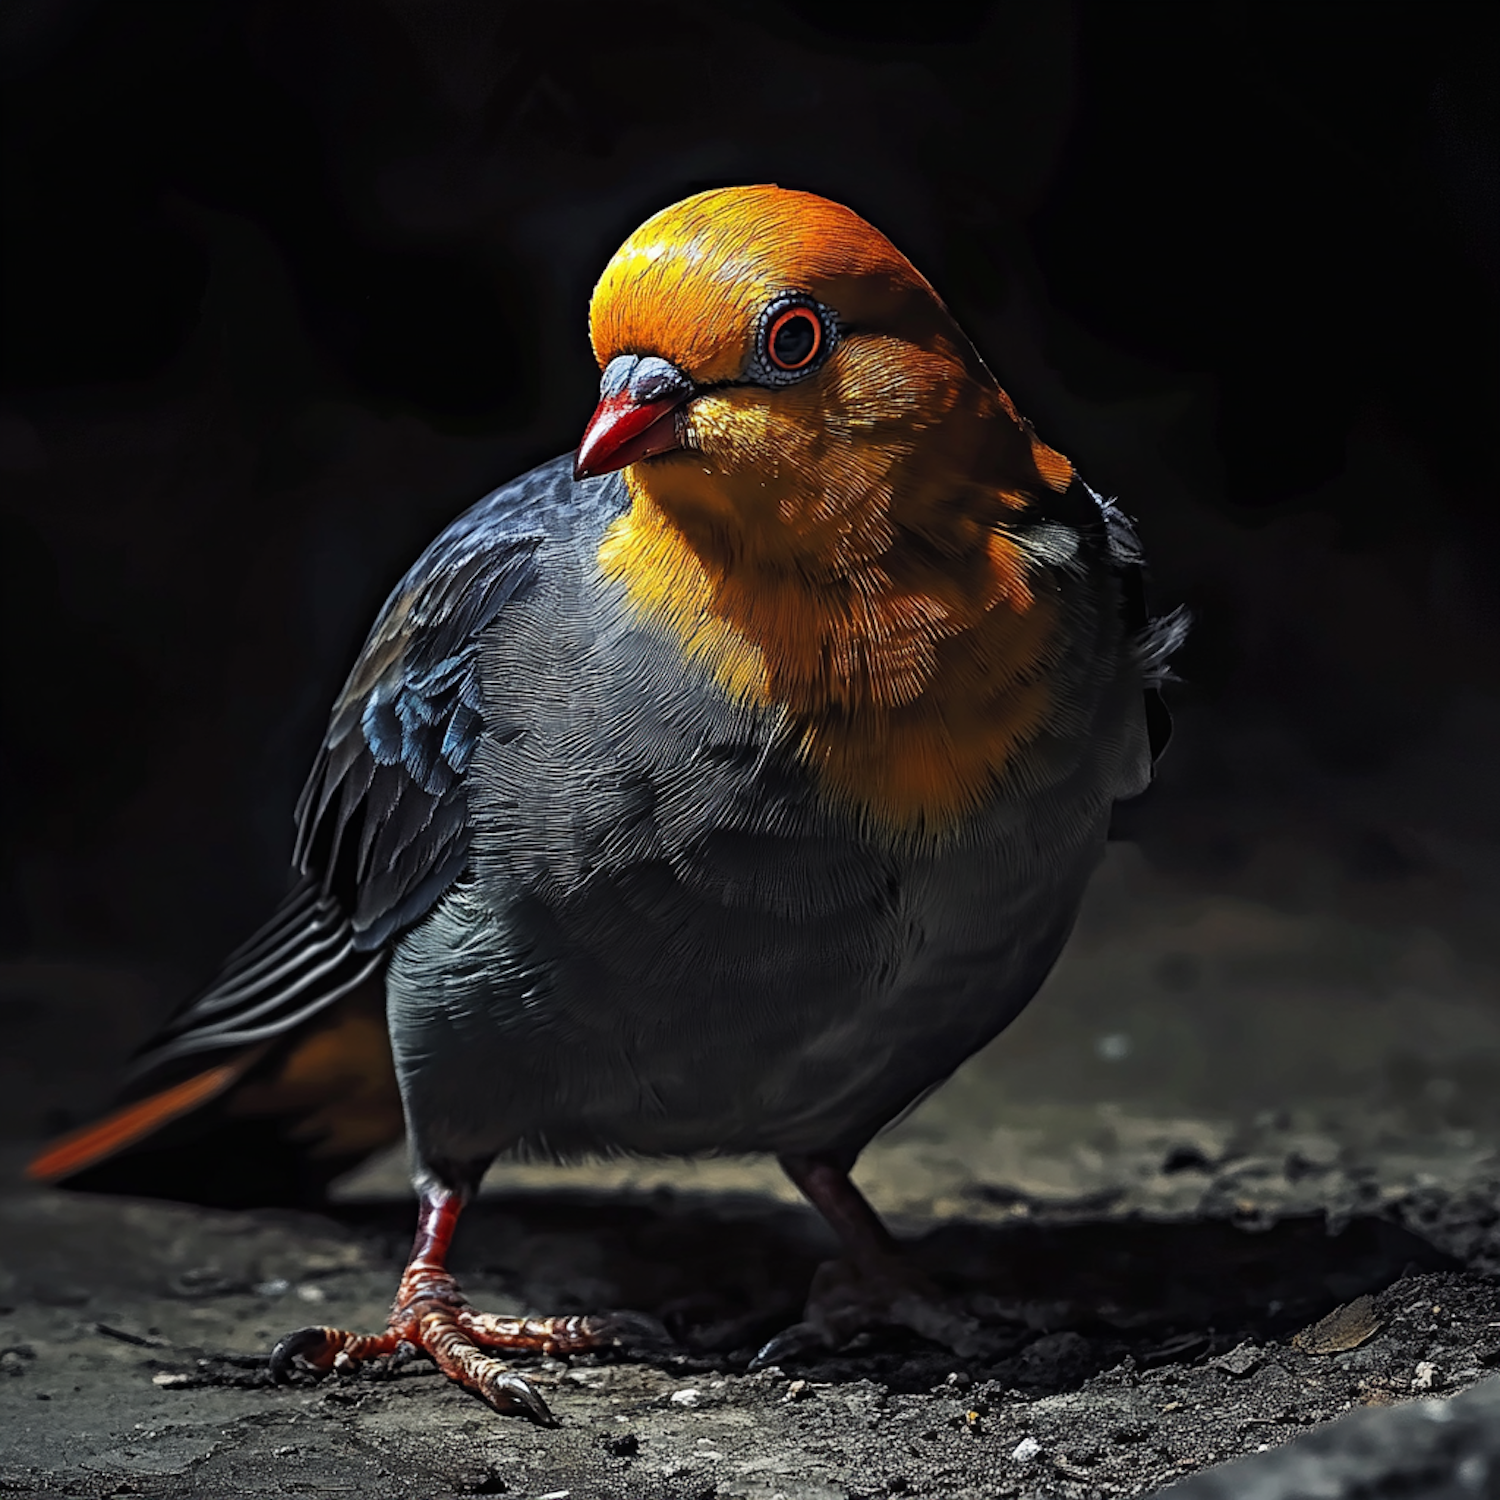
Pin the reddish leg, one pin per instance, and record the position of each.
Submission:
(430, 1315)
(826, 1184)
(872, 1286)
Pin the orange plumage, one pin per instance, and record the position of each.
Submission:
(838, 547)
(134, 1122)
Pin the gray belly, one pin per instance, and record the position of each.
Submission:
(668, 942)
(765, 995)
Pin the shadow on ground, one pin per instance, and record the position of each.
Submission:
(725, 1276)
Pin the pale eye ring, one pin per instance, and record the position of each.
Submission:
(794, 339)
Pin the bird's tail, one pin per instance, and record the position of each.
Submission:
(263, 1088)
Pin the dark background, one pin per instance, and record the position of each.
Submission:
(287, 285)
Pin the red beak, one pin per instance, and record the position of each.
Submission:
(636, 416)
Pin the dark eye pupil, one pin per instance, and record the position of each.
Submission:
(794, 340)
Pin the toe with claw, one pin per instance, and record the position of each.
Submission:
(431, 1316)
(847, 1299)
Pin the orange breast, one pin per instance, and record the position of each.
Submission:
(908, 702)
(871, 590)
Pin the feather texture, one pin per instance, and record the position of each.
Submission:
(383, 822)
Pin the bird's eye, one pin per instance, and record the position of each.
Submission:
(796, 335)
(794, 339)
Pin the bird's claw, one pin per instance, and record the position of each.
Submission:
(845, 1302)
(432, 1319)
(791, 1343)
(314, 1349)
(508, 1392)
(321, 1350)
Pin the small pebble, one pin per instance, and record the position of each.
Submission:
(688, 1397)
(1026, 1450)
(1240, 1360)
(1426, 1376)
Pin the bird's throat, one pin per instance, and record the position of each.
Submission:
(909, 679)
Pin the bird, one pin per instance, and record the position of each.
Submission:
(718, 788)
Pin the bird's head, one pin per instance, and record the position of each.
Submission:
(775, 371)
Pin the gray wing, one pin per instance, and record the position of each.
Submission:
(382, 823)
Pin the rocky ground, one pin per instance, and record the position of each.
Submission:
(1128, 1351)
(1235, 1178)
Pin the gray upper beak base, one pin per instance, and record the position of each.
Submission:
(637, 414)
(647, 377)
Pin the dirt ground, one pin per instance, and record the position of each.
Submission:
(1235, 1176)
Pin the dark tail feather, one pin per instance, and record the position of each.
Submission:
(299, 963)
(274, 1081)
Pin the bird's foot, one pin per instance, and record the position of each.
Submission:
(872, 1286)
(846, 1300)
(431, 1316)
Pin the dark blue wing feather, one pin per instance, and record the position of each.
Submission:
(383, 819)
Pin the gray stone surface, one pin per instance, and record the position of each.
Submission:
(1439, 1450)
(1123, 1354)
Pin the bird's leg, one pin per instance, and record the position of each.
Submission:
(430, 1315)
(825, 1182)
(872, 1286)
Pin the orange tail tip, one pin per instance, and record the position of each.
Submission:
(82, 1148)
